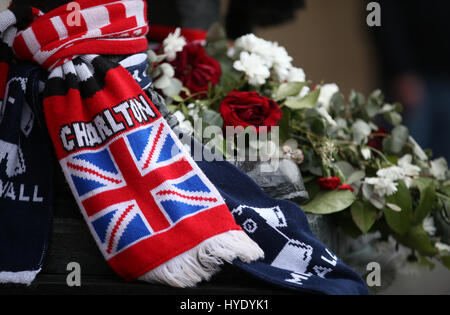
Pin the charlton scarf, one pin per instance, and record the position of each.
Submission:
(153, 213)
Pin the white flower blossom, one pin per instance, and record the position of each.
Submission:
(172, 44)
(393, 173)
(296, 75)
(183, 124)
(428, 225)
(281, 61)
(254, 67)
(252, 44)
(274, 56)
(326, 93)
(382, 186)
(409, 169)
(366, 153)
(442, 247)
(439, 168)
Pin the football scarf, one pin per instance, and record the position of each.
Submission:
(26, 172)
(153, 213)
(294, 257)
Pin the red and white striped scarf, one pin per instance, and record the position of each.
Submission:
(153, 213)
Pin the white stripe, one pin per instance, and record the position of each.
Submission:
(30, 39)
(9, 35)
(136, 9)
(95, 19)
(56, 73)
(59, 27)
(84, 71)
(133, 60)
(7, 18)
(68, 67)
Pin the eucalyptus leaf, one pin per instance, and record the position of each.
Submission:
(327, 202)
(394, 118)
(398, 140)
(399, 221)
(337, 103)
(356, 177)
(361, 130)
(212, 118)
(289, 89)
(308, 101)
(346, 168)
(364, 215)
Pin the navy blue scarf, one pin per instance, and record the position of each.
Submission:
(26, 173)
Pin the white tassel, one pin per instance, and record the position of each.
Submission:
(22, 277)
(204, 260)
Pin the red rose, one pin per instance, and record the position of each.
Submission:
(329, 183)
(195, 69)
(249, 109)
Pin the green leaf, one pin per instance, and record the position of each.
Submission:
(364, 215)
(446, 261)
(427, 200)
(396, 143)
(177, 98)
(289, 89)
(399, 221)
(337, 104)
(394, 118)
(326, 202)
(355, 177)
(357, 99)
(423, 261)
(285, 125)
(211, 118)
(309, 101)
(416, 238)
(346, 168)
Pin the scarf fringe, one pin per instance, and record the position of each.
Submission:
(203, 261)
(21, 277)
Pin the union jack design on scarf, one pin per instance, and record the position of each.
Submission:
(150, 159)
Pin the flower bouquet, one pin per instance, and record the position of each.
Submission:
(359, 163)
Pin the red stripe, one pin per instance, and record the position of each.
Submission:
(116, 227)
(4, 70)
(158, 135)
(171, 192)
(88, 170)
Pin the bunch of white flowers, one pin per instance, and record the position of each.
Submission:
(172, 44)
(260, 58)
(385, 184)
